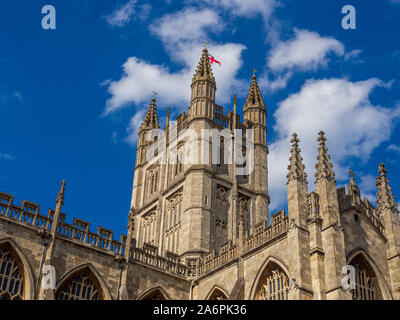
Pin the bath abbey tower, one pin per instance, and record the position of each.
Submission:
(202, 229)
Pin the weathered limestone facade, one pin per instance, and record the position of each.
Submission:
(200, 231)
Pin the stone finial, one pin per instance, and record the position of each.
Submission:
(151, 118)
(60, 196)
(296, 167)
(324, 166)
(385, 196)
(254, 97)
(204, 70)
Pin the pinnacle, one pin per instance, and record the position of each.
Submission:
(60, 196)
(352, 181)
(324, 166)
(151, 118)
(322, 138)
(385, 196)
(352, 186)
(254, 97)
(204, 70)
(296, 167)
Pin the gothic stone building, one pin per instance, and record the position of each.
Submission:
(199, 231)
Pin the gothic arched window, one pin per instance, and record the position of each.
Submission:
(81, 285)
(367, 287)
(11, 275)
(273, 284)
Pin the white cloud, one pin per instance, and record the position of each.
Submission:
(367, 187)
(134, 125)
(394, 147)
(140, 78)
(182, 34)
(305, 51)
(367, 183)
(248, 8)
(187, 25)
(352, 54)
(279, 81)
(341, 108)
(122, 15)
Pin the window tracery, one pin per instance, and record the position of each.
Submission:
(274, 284)
(80, 286)
(11, 275)
(367, 287)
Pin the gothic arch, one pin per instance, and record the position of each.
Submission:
(28, 279)
(155, 293)
(217, 291)
(91, 273)
(269, 262)
(382, 284)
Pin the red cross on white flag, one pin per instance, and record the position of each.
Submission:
(212, 60)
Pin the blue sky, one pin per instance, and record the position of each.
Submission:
(71, 99)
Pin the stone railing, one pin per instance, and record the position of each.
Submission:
(228, 253)
(270, 233)
(27, 214)
(103, 239)
(160, 262)
(79, 232)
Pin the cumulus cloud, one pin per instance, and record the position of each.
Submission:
(122, 15)
(248, 8)
(367, 187)
(134, 125)
(305, 51)
(353, 126)
(141, 77)
(189, 24)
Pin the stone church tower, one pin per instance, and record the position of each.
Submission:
(187, 211)
(201, 229)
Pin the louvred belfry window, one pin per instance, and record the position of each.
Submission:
(11, 275)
